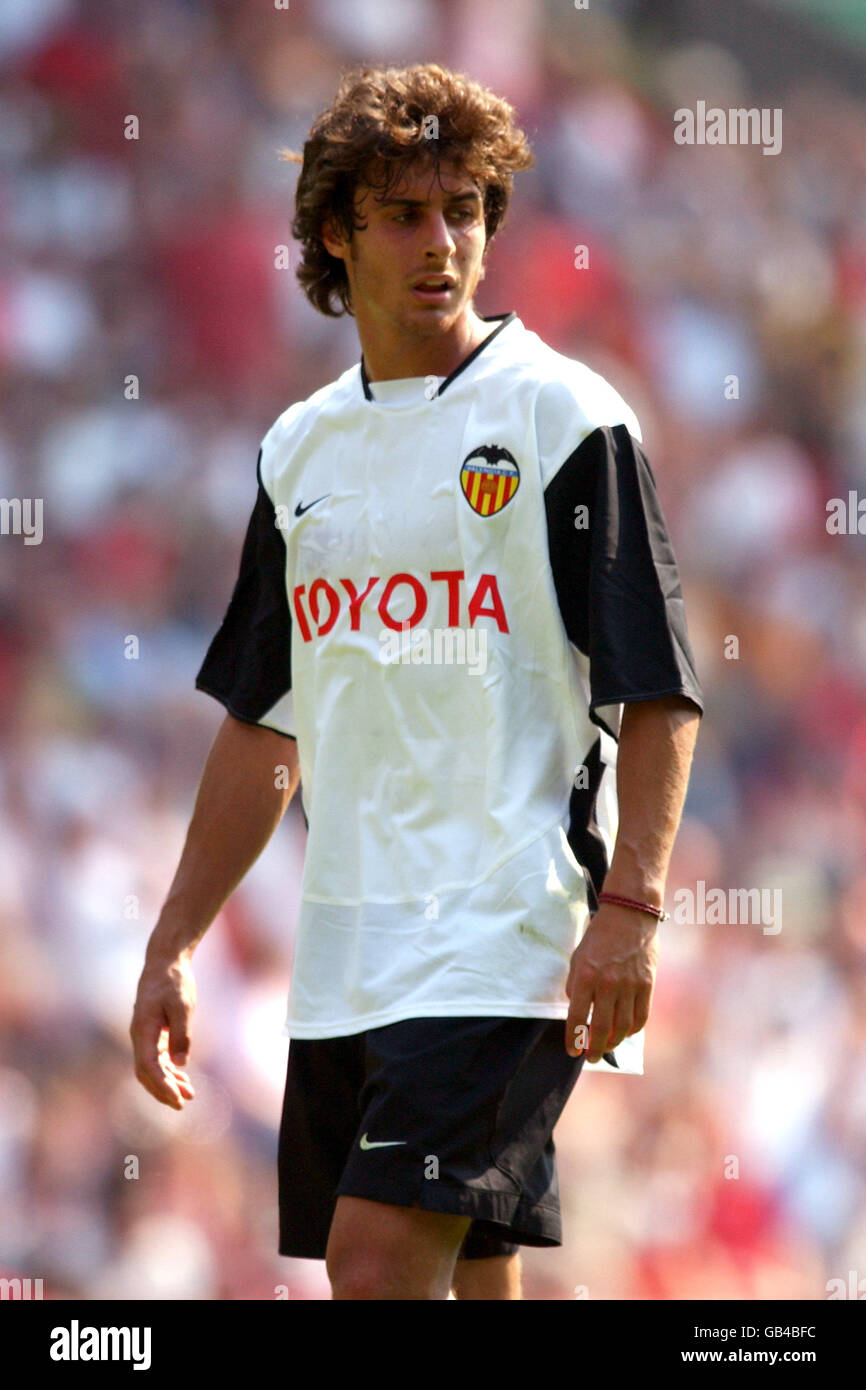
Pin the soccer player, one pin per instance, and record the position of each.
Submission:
(458, 624)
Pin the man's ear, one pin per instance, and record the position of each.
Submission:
(333, 242)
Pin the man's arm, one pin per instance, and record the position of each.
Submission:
(237, 810)
(613, 968)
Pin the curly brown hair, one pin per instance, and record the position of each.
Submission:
(379, 123)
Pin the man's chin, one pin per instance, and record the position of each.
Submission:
(435, 318)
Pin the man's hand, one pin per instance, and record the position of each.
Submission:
(160, 1029)
(239, 805)
(612, 971)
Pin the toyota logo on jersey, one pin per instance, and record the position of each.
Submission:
(489, 477)
(323, 603)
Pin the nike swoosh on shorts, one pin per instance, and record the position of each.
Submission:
(379, 1143)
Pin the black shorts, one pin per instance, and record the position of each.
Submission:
(447, 1114)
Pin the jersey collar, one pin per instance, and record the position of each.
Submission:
(502, 321)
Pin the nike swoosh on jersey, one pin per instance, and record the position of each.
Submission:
(299, 510)
(379, 1143)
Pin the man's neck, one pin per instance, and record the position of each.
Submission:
(416, 355)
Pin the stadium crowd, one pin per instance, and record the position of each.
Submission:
(148, 338)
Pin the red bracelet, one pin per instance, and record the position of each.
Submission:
(658, 912)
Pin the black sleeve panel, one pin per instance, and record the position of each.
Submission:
(616, 574)
(248, 664)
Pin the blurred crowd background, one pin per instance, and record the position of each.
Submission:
(736, 1167)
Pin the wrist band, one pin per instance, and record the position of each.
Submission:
(658, 912)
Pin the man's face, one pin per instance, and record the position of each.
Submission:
(415, 266)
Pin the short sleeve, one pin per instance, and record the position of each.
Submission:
(248, 664)
(616, 576)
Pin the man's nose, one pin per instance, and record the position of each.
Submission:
(438, 240)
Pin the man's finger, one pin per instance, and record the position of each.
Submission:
(178, 1034)
(622, 1026)
(600, 1027)
(146, 1033)
(160, 1087)
(183, 1082)
(578, 1016)
(641, 1013)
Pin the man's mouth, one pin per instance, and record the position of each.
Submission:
(434, 287)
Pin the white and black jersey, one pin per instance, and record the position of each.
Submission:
(448, 590)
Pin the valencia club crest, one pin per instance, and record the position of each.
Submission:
(489, 477)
